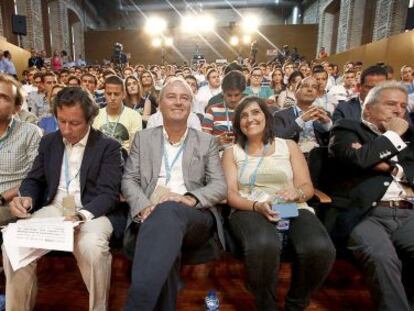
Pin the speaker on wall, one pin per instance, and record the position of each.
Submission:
(19, 24)
(410, 19)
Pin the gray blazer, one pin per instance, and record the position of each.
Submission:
(203, 173)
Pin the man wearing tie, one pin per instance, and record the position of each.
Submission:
(172, 180)
(76, 174)
(372, 211)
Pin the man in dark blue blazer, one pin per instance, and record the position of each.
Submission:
(352, 109)
(373, 179)
(305, 123)
(77, 174)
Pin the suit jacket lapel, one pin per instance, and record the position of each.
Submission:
(189, 150)
(88, 157)
(157, 151)
(56, 159)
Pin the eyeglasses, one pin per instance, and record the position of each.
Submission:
(256, 76)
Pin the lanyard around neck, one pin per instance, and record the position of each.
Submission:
(253, 176)
(113, 129)
(228, 118)
(169, 166)
(68, 180)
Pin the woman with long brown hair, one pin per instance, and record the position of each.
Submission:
(134, 98)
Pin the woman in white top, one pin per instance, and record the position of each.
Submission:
(260, 170)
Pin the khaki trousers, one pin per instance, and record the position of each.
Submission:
(91, 250)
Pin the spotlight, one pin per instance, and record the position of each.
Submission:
(247, 39)
(155, 25)
(206, 23)
(197, 23)
(168, 41)
(156, 42)
(250, 23)
(234, 41)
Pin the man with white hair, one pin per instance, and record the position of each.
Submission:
(172, 180)
(373, 213)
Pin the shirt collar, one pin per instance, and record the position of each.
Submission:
(372, 127)
(181, 141)
(82, 142)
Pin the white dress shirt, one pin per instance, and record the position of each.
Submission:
(176, 183)
(395, 188)
(74, 155)
(205, 93)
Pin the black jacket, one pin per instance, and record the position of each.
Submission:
(100, 173)
(286, 127)
(356, 186)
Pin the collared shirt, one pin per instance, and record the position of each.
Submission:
(307, 138)
(341, 93)
(18, 149)
(9, 67)
(37, 103)
(205, 93)
(327, 101)
(176, 183)
(74, 155)
(395, 188)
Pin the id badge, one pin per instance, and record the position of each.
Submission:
(69, 205)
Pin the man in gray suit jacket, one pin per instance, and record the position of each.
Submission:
(172, 180)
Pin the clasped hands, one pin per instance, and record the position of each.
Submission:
(170, 196)
(316, 113)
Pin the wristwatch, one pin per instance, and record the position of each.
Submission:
(2, 200)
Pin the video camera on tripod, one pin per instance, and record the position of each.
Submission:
(119, 58)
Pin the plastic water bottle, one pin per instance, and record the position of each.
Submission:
(2, 303)
(211, 301)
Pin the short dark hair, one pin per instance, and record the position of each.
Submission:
(39, 75)
(71, 96)
(373, 71)
(91, 76)
(74, 78)
(113, 79)
(234, 80)
(318, 69)
(192, 78)
(268, 134)
(294, 75)
(64, 70)
(232, 66)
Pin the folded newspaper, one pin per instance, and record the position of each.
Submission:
(27, 240)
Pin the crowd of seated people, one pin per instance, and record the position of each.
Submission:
(168, 144)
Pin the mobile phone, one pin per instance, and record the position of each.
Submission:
(286, 210)
(409, 198)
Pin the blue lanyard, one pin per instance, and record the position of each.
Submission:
(68, 180)
(167, 165)
(116, 123)
(253, 176)
(9, 131)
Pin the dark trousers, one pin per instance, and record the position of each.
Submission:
(169, 229)
(312, 257)
(383, 243)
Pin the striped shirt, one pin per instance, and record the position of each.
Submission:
(18, 149)
(215, 120)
